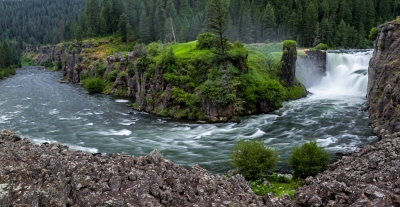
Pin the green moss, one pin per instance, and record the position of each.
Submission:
(295, 92)
(290, 43)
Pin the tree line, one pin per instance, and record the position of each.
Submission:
(338, 23)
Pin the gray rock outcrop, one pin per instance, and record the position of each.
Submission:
(53, 175)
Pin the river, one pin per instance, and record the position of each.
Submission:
(35, 105)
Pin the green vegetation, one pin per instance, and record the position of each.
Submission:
(278, 185)
(292, 93)
(9, 59)
(373, 33)
(94, 85)
(253, 159)
(290, 43)
(112, 76)
(321, 46)
(308, 160)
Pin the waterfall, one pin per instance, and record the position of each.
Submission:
(346, 74)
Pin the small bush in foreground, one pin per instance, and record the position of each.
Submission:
(253, 159)
(308, 160)
(94, 85)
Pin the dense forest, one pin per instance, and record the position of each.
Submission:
(338, 23)
(38, 22)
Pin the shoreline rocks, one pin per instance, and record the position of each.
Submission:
(53, 175)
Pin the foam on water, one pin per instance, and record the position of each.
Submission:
(123, 132)
(121, 101)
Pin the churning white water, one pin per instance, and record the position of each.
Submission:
(346, 75)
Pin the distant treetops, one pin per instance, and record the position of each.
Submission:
(337, 23)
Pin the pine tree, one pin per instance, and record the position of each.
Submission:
(159, 20)
(216, 21)
(185, 8)
(116, 11)
(122, 27)
(268, 22)
(92, 18)
(144, 30)
(246, 26)
(310, 21)
(106, 14)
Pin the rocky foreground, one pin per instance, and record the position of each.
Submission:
(52, 175)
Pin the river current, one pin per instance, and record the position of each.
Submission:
(35, 105)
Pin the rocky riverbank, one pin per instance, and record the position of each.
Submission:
(53, 175)
(370, 176)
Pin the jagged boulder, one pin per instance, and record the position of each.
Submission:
(53, 175)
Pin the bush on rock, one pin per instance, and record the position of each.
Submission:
(253, 159)
(308, 160)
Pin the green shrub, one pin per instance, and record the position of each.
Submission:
(321, 46)
(253, 159)
(308, 160)
(94, 85)
(373, 33)
(154, 48)
(205, 41)
(142, 63)
(100, 68)
(112, 76)
(1, 74)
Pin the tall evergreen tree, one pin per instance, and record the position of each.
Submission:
(246, 25)
(216, 21)
(106, 21)
(144, 30)
(92, 18)
(310, 21)
(159, 20)
(268, 22)
(116, 11)
(122, 27)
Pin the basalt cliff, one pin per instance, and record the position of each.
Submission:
(190, 83)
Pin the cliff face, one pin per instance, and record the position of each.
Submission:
(383, 84)
(171, 92)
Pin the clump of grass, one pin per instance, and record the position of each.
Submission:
(278, 185)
